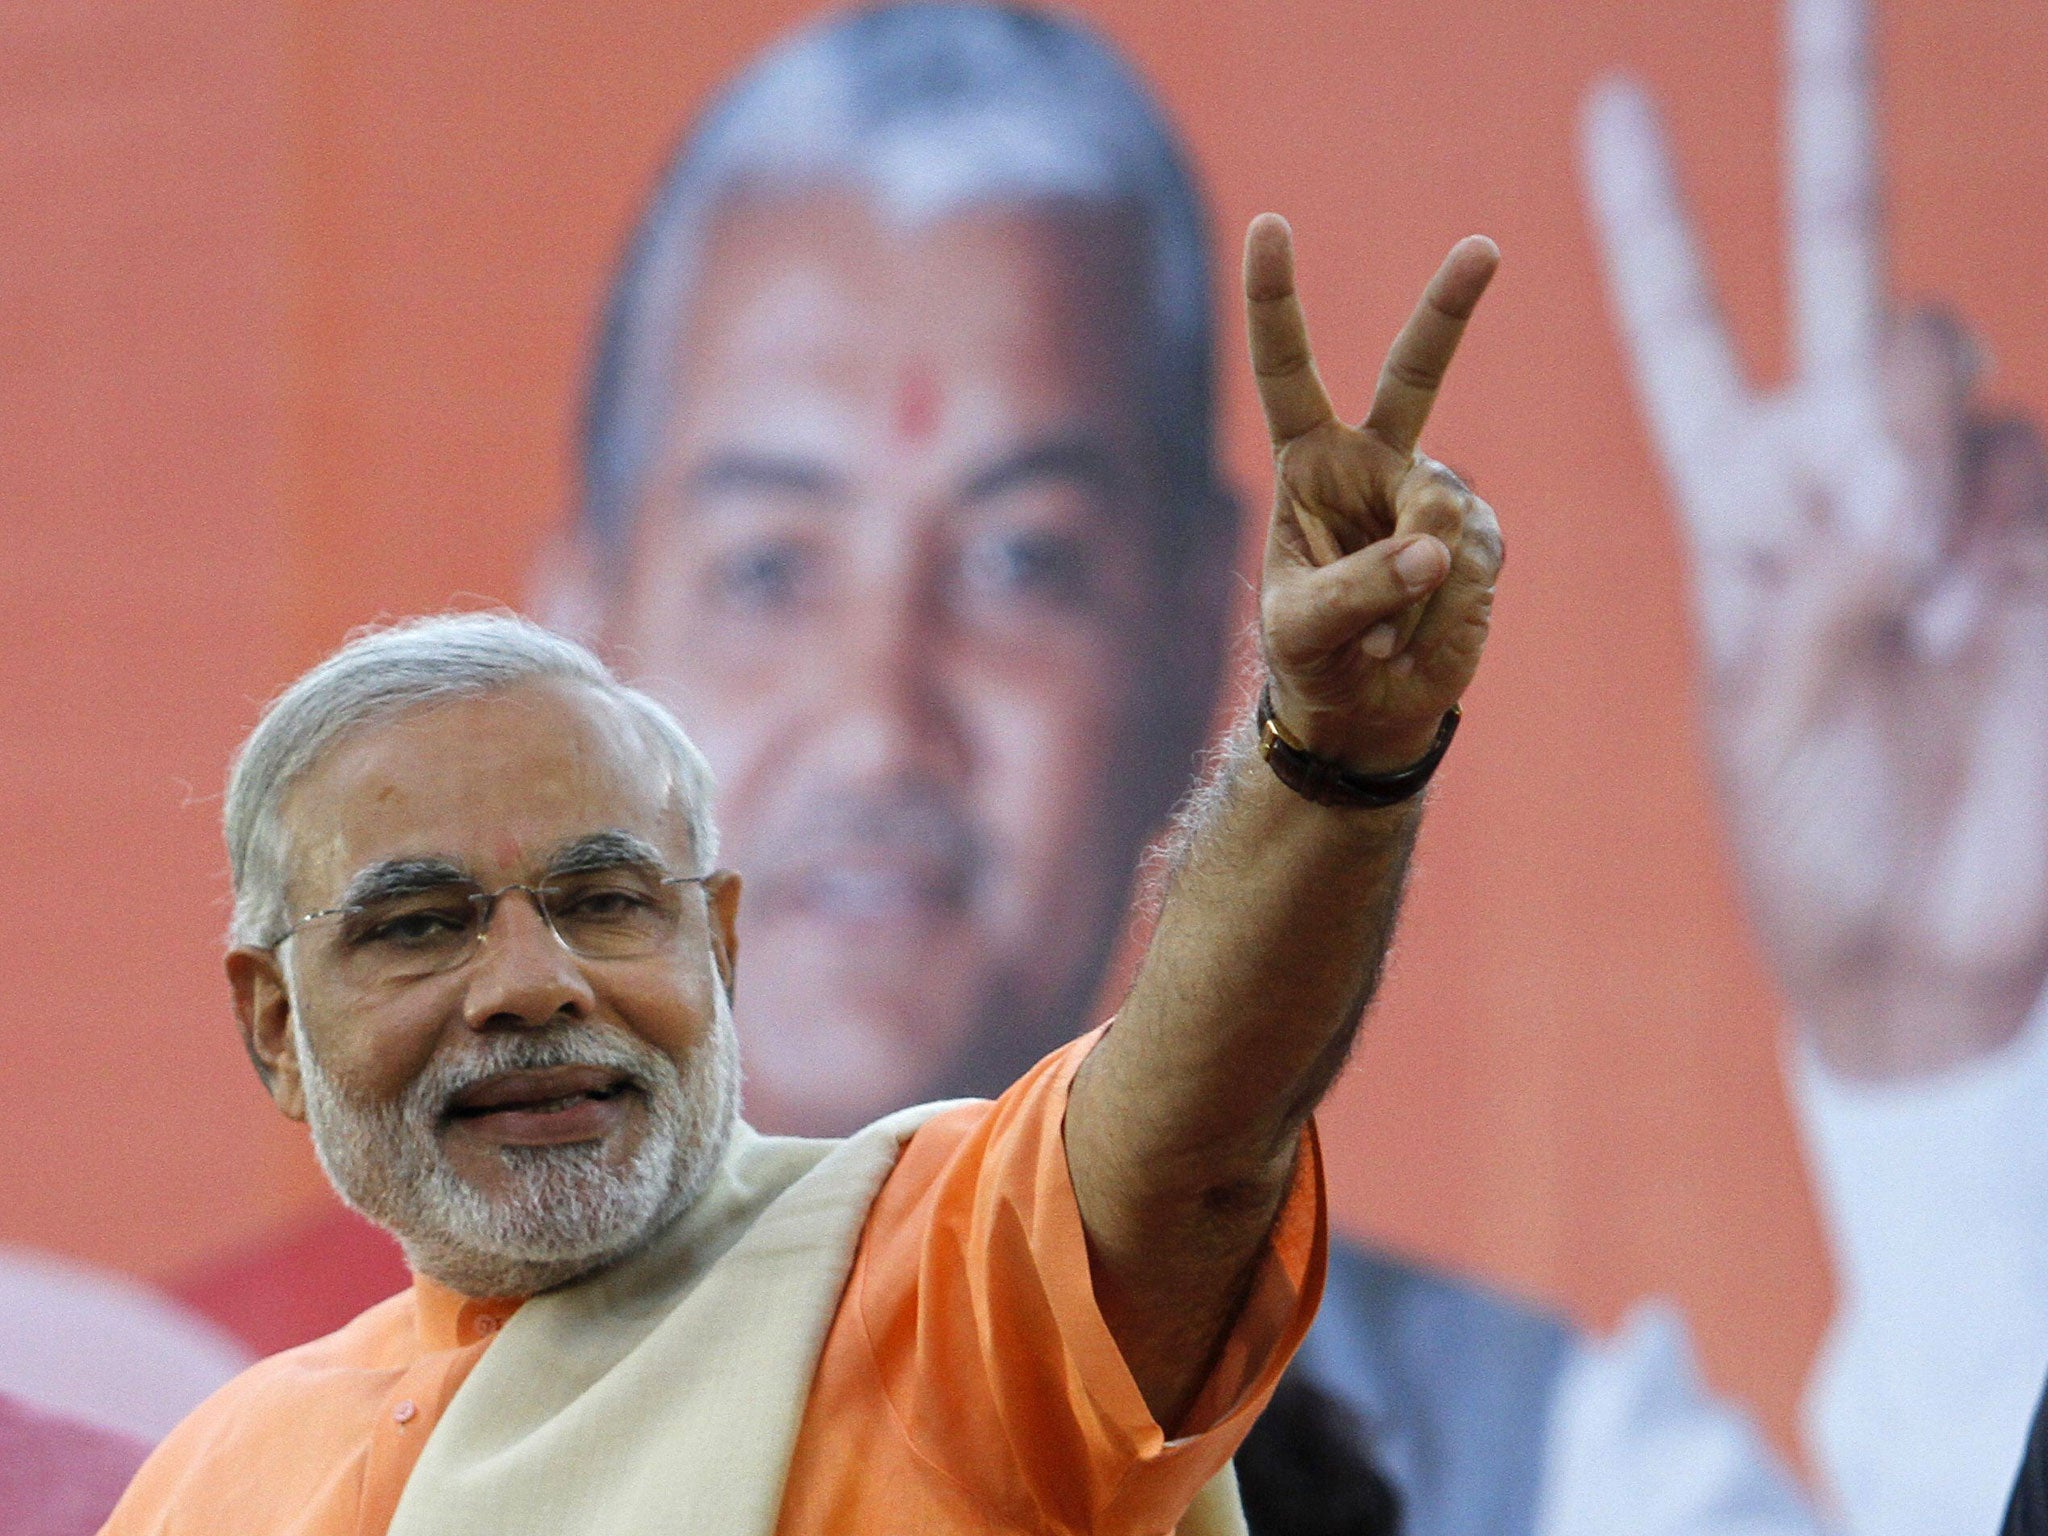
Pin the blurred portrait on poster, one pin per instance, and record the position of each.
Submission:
(1869, 549)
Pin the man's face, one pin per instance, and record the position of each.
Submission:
(899, 572)
(528, 1112)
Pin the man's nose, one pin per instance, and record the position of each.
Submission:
(522, 975)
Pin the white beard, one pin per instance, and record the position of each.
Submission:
(566, 1211)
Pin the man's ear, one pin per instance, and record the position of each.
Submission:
(263, 1009)
(722, 895)
(566, 589)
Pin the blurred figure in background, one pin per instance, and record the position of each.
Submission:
(94, 1370)
(59, 1476)
(866, 504)
(1870, 559)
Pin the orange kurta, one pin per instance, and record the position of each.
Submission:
(967, 1382)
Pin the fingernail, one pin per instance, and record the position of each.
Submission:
(1421, 563)
(1379, 641)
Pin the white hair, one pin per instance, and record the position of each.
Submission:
(929, 108)
(384, 672)
(565, 1210)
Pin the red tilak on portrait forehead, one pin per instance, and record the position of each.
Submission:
(916, 414)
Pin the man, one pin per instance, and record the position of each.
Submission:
(483, 949)
(1870, 566)
(943, 593)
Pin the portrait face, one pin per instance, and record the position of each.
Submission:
(899, 570)
(514, 1110)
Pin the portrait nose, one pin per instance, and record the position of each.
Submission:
(892, 703)
(522, 976)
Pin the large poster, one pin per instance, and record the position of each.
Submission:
(871, 389)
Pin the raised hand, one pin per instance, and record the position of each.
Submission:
(1380, 564)
(1183, 1129)
(1870, 560)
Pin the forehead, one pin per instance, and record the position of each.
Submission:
(494, 784)
(818, 286)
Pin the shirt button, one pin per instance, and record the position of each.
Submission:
(405, 1412)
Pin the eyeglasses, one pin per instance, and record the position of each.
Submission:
(609, 914)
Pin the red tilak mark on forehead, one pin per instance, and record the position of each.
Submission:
(509, 851)
(917, 402)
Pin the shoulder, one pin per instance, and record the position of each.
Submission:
(384, 1337)
(380, 1339)
(1015, 1137)
(271, 1413)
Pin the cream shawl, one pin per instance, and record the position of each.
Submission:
(665, 1395)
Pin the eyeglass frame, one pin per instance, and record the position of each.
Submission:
(487, 902)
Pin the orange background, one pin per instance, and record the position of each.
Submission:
(294, 300)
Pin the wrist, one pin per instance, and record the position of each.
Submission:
(1383, 746)
(1390, 772)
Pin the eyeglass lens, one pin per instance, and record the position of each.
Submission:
(608, 915)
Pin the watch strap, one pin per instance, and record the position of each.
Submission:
(1325, 782)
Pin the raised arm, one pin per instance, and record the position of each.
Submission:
(1870, 562)
(1185, 1121)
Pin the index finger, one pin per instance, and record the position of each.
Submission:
(1290, 389)
(1416, 363)
(1836, 228)
(1684, 363)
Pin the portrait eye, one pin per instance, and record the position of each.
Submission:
(1034, 564)
(762, 575)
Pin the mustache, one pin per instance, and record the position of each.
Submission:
(428, 1097)
(915, 822)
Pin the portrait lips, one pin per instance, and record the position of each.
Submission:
(539, 1107)
(868, 869)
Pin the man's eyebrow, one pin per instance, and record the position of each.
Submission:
(613, 848)
(402, 877)
(742, 470)
(1081, 458)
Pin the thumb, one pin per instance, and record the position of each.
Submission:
(1331, 606)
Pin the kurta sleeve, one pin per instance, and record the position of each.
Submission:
(978, 1327)
(1935, 1194)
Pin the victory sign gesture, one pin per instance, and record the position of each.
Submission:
(1185, 1126)
(1870, 561)
(1380, 564)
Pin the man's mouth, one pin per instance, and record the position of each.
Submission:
(543, 1107)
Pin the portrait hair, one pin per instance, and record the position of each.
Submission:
(384, 672)
(928, 109)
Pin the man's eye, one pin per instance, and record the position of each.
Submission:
(415, 927)
(1032, 564)
(601, 904)
(762, 575)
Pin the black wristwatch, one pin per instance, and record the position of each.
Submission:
(1328, 783)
